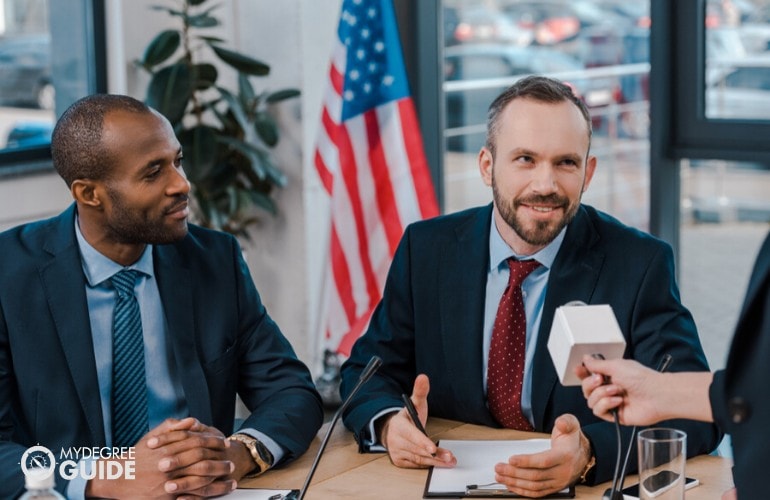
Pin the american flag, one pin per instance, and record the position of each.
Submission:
(370, 159)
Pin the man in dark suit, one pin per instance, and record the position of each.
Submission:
(735, 398)
(202, 332)
(435, 327)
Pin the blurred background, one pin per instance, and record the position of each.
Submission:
(54, 51)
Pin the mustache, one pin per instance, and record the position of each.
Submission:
(536, 199)
(180, 202)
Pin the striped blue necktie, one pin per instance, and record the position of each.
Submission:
(129, 387)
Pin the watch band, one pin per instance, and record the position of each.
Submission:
(587, 470)
(262, 457)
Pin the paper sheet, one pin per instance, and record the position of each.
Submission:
(476, 461)
(254, 494)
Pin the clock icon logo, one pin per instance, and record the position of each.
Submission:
(38, 460)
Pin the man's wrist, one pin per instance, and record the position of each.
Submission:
(589, 459)
(261, 457)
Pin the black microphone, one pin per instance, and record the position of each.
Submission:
(371, 367)
(616, 491)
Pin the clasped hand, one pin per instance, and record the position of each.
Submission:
(177, 459)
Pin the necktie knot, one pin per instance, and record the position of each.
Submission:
(124, 281)
(520, 269)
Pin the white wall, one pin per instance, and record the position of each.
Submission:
(294, 37)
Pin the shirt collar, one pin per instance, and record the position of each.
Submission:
(499, 251)
(99, 268)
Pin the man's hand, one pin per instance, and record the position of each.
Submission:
(177, 459)
(539, 474)
(406, 445)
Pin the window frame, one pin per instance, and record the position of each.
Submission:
(92, 42)
(693, 134)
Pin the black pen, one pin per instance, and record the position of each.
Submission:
(413, 415)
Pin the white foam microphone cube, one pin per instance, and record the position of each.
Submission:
(580, 330)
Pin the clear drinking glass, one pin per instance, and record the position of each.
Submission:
(662, 456)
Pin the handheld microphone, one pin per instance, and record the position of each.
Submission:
(371, 367)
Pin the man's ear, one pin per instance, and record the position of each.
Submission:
(86, 192)
(486, 162)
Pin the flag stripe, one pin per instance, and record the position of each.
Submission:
(419, 166)
(384, 196)
(348, 169)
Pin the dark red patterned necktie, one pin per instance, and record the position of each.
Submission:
(505, 371)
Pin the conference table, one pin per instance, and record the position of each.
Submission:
(345, 473)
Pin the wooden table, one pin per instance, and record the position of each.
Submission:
(345, 473)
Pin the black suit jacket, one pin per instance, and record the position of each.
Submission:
(739, 394)
(222, 339)
(431, 318)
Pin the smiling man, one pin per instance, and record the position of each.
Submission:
(469, 301)
(124, 327)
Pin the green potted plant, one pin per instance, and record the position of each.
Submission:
(226, 135)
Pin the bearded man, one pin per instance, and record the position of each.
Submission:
(470, 344)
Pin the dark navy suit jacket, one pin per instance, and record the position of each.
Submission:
(431, 317)
(739, 394)
(222, 339)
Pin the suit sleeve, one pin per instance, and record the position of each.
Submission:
(390, 336)
(273, 383)
(660, 325)
(11, 478)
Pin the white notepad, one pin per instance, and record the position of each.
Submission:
(476, 460)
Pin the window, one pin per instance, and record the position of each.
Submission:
(51, 53)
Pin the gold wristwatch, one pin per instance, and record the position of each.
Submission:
(262, 457)
(587, 470)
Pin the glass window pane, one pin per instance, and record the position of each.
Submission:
(725, 215)
(601, 47)
(27, 95)
(737, 59)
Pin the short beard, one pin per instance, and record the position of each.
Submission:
(543, 233)
(130, 227)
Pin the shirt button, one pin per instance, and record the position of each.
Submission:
(738, 409)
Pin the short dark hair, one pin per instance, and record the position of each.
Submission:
(537, 88)
(76, 143)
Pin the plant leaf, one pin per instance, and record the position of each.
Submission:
(200, 151)
(282, 95)
(195, 2)
(266, 128)
(202, 21)
(235, 108)
(169, 91)
(246, 93)
(252, 153)
(161, 48)
(211, 39)
(241, 62)
(173, 12)
(205, 76)
(263, 201)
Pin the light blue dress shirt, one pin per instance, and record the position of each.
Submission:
(165, 395)
(533, 291)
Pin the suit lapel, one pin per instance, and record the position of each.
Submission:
(64, 284)
(573, 276)
(175, 287)
(462, 288)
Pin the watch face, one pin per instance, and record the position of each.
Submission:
(37, 458)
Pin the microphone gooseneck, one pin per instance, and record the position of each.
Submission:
(370, 369)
